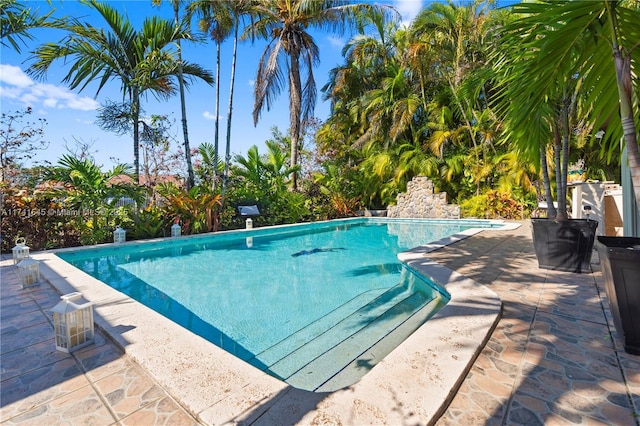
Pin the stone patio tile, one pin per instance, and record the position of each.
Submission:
(16, 321)
(26, 391)
(82, 406)
(161, 412)
(102, 361)
(13, 310)
(30, 358)
(46, 296)
(27, 336)
(573, 393)
(128, 390)
(12, 293)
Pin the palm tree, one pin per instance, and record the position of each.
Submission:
(140, 60)
(16, 22)
(285, 24)
(86, 189)
(215, 20)
(572, 41)
(455, 35)
(183, 106)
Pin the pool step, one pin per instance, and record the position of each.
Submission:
(359, 366)
(352, 341)
(317, 328)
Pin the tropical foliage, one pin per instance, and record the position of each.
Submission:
(139, 59)
(196, 209)
(560, 81)
(92, 196)
(491, 104)
(16, 22)
(285, 25)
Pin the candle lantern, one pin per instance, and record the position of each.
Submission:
(249, 223)
(119, 235)
(20, 251)
(73, 322)
(175, 230)
(29, 271)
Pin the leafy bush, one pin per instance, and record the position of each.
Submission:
(196, 210)
(147, 223)
(38, 218)
(493, 205)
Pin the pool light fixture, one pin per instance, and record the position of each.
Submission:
(73, 322)
(29, 271)
(20, 251)
(119, 235)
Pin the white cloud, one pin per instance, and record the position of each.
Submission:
(336, 42)
(15, 84)
(208, 115)
(408, 9)
(14, 76)
(252, 83)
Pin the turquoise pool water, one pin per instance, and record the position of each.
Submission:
(305, 303)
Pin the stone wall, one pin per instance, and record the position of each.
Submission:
(420, 202)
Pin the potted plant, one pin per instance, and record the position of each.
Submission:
(562, 243)
(581, 39)
(620, 263)
(542, 115)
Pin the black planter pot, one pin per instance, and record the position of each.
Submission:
(564, 245)
(620, 263)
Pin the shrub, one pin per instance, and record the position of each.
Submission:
(492, 205)
(38, 218)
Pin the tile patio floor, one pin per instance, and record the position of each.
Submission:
(554, 357)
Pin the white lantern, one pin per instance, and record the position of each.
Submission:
(249, 223)
(73, 322)
(20, 251)
(29, 271)
(175, 230)
(119, 235)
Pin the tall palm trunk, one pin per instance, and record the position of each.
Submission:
(563, 161)
(227, 156)
(546, 181)
(295, 93)
(216, 131)
(183, 104)
(135, 118)
(625, 90)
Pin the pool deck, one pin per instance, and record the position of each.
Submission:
(551, 356)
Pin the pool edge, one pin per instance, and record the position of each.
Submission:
(219, 388)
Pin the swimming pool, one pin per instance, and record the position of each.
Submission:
(315, 305)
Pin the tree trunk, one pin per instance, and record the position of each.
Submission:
(546, 181)
(135, 118)
(561, 178)
(227, 156)
(625, 90)
(623, 77)
(295, 93)
(216, 139)
(183, 105)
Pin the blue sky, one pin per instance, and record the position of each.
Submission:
(71, 114)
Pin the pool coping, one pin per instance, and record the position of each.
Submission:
(413, 384)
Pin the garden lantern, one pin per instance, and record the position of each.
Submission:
(73, 322)
(175, 230)
(20, 251)
(249, 223)
(119, 235)
(29, 271)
